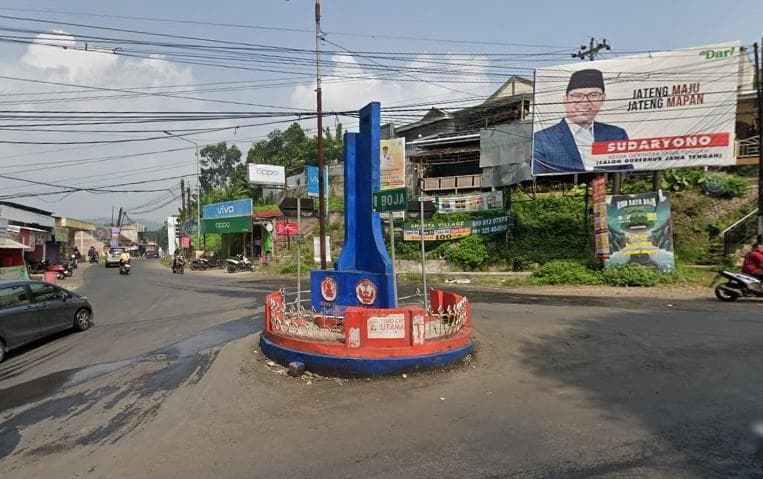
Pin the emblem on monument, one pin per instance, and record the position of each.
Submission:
(365, 291)
(328, 288)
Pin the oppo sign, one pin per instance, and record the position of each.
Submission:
(266, 174)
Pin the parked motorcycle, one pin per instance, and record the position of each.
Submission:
(124, 268)
(178, 265)
(737, 285)
(240, 263)
(70, 267)
(200, 264)
(45, 266)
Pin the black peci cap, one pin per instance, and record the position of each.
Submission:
(588, 78)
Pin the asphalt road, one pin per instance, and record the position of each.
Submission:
(169, 383)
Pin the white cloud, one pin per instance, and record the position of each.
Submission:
(59, 57)
(391, 88)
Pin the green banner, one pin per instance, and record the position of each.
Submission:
(640, 230)
(236, 224)
(456, 229)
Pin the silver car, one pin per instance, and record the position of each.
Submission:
(31, 310)
(112, 257)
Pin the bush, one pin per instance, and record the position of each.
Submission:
(520, 263)
(565, 272)
(630, 275)
(470, 253)
(723, 185)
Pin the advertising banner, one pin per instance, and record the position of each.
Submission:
(654, 111)
(492, 200)
(312, 181)
(640, 230)
(600, 223)
(286, 229)
(239, 224)
(392, 163)
(266, 174)
(456, 229)
(227, 209)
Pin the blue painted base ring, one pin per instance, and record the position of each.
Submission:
(361, 367)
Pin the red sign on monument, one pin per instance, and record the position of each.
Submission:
(286, 229)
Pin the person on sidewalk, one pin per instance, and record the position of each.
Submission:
(753, 262)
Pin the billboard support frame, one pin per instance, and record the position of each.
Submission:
(758, 91)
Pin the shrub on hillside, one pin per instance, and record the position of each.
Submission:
(470, 253)
(630, 275)
(723, 185)
(565, 272)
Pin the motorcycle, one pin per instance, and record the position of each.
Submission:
(124, 268)
(200, 264)
(45, 266)
(68, 269)
(241, 263)
(72, 261)
(178, 265)
(94, 258)
(737, 285)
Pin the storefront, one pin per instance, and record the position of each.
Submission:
(12, 265)
(236, 232)
(70, 233)
(25, 233)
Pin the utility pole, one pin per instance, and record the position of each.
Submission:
(198, 188)
(182, 198)
(759, 93)
(188, 197)
(594, 48)
(319, 101)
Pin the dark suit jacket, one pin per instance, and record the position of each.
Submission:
(555, 151)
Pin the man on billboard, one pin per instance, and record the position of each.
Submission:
(566, 146)
(387, 160)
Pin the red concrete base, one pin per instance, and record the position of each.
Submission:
(442, 336)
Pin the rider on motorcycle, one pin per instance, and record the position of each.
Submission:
(178, 260)
(753, 262)
(124, 258)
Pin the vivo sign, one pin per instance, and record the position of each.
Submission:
(228, 209)
(266, 174)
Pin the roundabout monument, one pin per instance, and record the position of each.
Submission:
(353, 326)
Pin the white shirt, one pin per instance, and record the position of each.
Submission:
(584, 141)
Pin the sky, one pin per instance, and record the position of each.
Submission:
(233, 71)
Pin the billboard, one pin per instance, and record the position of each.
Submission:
(456, 229)
(392, 163)
(640, 230)
(312, 181)
(266, 174)
(236, 224)
(653, 111)
(491, 200)
(600, 225)
(228, 209)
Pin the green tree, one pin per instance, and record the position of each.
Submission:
(294, 149)
(218, 163)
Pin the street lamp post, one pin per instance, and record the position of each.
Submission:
(198, 186)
